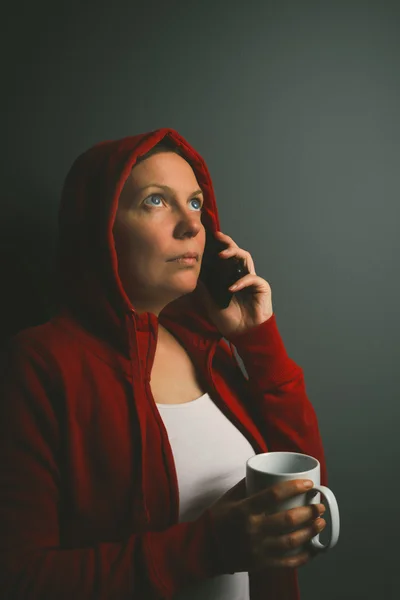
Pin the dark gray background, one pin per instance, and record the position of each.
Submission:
(295, 108)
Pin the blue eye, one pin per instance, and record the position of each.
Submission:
(152, 196)
(160, 196)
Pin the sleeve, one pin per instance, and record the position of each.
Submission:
(145, 566)
(276, 384)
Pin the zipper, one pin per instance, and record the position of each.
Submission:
(169, 464)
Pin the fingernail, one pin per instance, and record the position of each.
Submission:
(233, 287)
(308, 483)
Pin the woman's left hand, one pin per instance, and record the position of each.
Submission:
(247, 309)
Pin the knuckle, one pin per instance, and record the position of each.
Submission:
(300, 560)
(252, 525)
(274, 495)
(289, 519)
(313, 531)
(314, 510)
(318, 525)
(290, 541)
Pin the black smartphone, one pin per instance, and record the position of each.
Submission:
(219, 273)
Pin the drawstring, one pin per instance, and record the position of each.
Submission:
(232, 347)
(138, 404)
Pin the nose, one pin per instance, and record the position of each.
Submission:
(189, 226)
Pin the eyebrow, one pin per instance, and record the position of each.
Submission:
(167, 188)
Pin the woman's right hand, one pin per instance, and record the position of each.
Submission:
(254, 535)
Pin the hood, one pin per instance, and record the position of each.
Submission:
(89, 285)
(87, 268)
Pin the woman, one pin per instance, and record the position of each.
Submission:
(126, 421)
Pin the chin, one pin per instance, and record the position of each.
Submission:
(185, 287)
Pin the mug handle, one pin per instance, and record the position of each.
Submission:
(333, 508)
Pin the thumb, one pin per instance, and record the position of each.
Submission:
(237, 492)
(234, 494)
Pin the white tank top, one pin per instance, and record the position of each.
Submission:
(210, 456)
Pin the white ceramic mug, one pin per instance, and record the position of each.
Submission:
(264, 470)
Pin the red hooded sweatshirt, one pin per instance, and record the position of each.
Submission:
(88, 488)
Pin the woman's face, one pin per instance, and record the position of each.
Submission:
(153, 225)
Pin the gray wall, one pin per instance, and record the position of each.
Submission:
(295, 107)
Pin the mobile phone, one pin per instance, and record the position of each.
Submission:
(218, 273)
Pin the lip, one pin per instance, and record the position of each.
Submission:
(186, 255)
(185, 261)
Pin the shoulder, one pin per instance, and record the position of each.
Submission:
(42, 347)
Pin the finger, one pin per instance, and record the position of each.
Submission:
(289, 562)
(270, 498)
(312, 551)
(294, 539)
(258, 285)
(239, 253)
(290, 520)
(225, 238)
(233, 251)
(237, 492)
(249, 280)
